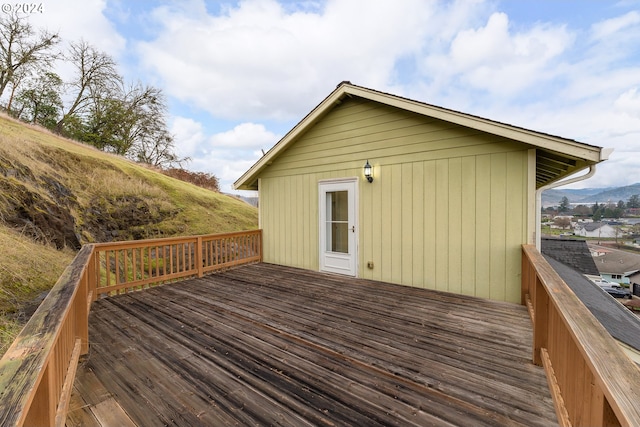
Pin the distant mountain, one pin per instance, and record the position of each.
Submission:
(589, 196)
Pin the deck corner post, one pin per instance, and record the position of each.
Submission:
(199, 258)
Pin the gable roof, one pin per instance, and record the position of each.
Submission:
(616, 261)
(593, 226)
(556, 157)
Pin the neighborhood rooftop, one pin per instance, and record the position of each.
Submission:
(572, 260)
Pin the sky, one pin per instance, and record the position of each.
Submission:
(238, 75)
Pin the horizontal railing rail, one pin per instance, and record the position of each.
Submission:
(38, 370)
(592, 381)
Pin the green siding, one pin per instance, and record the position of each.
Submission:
(447, 209)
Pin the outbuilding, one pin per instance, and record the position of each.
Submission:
(382, 187)
(597, 229)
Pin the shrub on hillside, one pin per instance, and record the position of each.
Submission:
(201, 179)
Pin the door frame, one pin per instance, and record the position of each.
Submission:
(351, 186)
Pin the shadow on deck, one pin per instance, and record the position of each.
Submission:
(264, 344)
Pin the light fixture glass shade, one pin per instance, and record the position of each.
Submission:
(368, 172)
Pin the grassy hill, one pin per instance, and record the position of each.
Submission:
(56, 195)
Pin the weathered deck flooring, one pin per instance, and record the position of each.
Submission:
(270, 345)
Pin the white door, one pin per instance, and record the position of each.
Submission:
(338, 228)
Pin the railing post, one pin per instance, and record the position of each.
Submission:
(540, 321)
(199, 258)
(42, 411)
(82, 313)
(525, 283)
(93, 274)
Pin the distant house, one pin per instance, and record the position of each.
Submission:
(596, 229)
(450, 200)
(615, 265)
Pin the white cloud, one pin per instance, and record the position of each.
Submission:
(245, 136)
(227, 154)
(75, 21)
(188, 136)
(224, 165)
(629, 103)
(497, 60)
(609, 27)
(260, 60)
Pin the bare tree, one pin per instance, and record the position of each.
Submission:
(96, 77)
(103, 112)
(158, 151)
(144, 109)
(562, 221)
(150, 140)
(21, 48)
(131, 122)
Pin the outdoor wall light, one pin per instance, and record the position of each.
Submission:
(368, 172)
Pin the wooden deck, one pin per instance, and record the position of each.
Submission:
(270, 345)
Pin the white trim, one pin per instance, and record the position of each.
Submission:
(338, 180)
(259, 204)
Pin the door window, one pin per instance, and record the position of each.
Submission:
(337, 227)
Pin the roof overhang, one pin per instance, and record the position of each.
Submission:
(556, 157)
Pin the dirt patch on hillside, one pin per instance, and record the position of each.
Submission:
(124, 218)
(38, 208)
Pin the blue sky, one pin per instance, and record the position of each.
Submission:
(239, 74)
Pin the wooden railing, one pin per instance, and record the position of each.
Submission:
(592, 381)
(135, 265)
(38, 370)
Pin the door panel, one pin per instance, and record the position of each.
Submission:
(338, 237)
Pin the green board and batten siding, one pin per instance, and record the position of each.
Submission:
(447, 209)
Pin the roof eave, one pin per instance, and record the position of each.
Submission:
(587, 154)
(540, 140)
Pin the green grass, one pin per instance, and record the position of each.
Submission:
(27, 269)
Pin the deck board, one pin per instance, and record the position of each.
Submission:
(271, 345)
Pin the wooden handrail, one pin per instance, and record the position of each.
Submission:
(592, 381)
(33, 371)
(38, 370)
